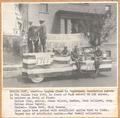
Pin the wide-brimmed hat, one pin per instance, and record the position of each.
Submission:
(41, 21)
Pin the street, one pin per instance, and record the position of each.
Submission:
(105, 79)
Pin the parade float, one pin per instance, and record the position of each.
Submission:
(37, 66)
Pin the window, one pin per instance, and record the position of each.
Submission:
(43, 8)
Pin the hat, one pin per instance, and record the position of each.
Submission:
(41, 21)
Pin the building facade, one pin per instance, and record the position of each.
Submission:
(68, 18)
(60, 18)
(12, 19)
(63, 18)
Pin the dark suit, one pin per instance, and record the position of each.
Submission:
(75, 58)
(42, 35)
(36, 45)
(30, 38)
(98, 54)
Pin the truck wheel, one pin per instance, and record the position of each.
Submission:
(37, 80)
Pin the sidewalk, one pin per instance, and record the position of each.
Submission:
(10, 58)
(11, 61)
(12, 67)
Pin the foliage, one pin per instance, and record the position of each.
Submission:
(102, 30)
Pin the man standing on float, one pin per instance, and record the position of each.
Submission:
(30, 37)
(42, 35)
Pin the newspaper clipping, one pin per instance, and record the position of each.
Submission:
(60, 60)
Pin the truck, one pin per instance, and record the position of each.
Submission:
(37, 66)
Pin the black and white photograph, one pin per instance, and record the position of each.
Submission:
(60, 44)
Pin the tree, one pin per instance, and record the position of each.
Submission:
(102, 28)
(109, 26)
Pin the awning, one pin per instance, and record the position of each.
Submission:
(79, 15)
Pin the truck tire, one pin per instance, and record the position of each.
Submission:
(37, 79)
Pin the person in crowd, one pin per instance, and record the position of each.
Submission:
(65, 51)
(98, 57)
(56, 51)
(42, 35)
(75, 57)
(30, 37)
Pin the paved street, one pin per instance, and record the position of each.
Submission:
(105, 79)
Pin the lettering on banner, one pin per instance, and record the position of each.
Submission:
(44, 59)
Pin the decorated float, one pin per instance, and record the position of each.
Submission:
(37, 66)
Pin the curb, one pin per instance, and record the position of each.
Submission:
(12, 67)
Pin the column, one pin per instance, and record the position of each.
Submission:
(62, 26)
(69, 26)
